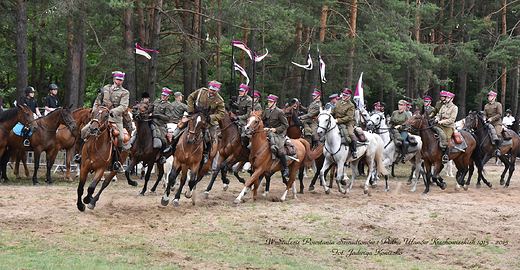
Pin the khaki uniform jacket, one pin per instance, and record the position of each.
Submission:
(437, 108)
(257, 106)
(117, 96)
(275, 118)
(244, 108)
(398, 118)
(312, 111)
(447, 115)
(218, 109)
(493, 112)
(344, 112)
(178, 110)
(162, 110)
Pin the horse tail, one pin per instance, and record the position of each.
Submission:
(379, 158)
(311, 155)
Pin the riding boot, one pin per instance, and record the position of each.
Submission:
(116, 165)
(404, 152)
(162, 160)
(25, 134)
(498, 144)
(77, 157)
(283, 161)
(353, 149)
(445, 157)
(205, 152)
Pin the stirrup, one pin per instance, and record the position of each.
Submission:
(162, 160)
(26, 143)
(117, 166)
(204, 158)
(77, 158)
(354, 154)
(403, 159)
(285, 172)
(497, 152)
(445, 158)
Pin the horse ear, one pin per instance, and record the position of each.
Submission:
(70, 106)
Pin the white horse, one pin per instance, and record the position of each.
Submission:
(377, 124)
(336, 153)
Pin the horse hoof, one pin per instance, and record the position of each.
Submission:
(386, 189)
(300, 192)
(465, 187)
(165, 201)
(18, 178)
(265, 194)
(176, 202)
(187, 195)
(36, 183)
(502, 182)
(205, 194)
(343, 182)
(409, 183)
(236, 201)
(506, 186)
(479, 185)
(443, 186)
(81, 207)
(425, 193)
(311, 188)
(225, 188)
(490, 185)
(141, 194)
(374, 185)
(91, 206)
(327, 191)
(365, 191)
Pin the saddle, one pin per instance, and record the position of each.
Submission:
(411, 140)
(358, 133)
(17, 129)
(289, 148)
(457, 142)
(506, 135)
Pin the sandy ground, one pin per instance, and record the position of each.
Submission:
(477, 228)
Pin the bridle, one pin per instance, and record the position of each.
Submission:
(329, 123)
(197, 132)
(253, 130)
(67, 121)
(101, 124)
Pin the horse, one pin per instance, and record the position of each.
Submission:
(188, 156)
(337, 153)
(97, 156)
(231, 152)
(292, 112)
(142, 148)
(8, 120)
(432, 153)
(475, 124)
(43, 139)
(377, 124)
(263, 164)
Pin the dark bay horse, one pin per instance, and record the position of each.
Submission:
(475, 124)
(188, 156)
(294, 131)
(431, 152)
(44, 139)
(8, 119)
(97, 157)
(231, 151)
(142, 148)
(260, 157)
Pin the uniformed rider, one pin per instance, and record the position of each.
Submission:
(493, 116)
(333, 100)
(256, 104)
(243, 105)
(117, 95)
(396, 120)
(308, 120)
(446, 121)
(344, 114)
(162, 113)
(438, 105)
(179, 108)
(428, 108)
(275, 120)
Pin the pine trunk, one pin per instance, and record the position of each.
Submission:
(22, 69)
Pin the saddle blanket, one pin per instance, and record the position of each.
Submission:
(457, 147)
(508, 142)
(18, 129)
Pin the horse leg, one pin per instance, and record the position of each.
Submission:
(354, 172)
(300, 178)
(418, 173)
(81, 185)
(290, 183)
(251, 180)
(146, 178)
(68, 157)
(51, 157)
(184, 176)
(90, 190)
(94, 200)
(411, 176)
(16, 170)
(165, 200)
(192, 185)
(128, 170)
(210, 185)
(427, 179)
(267, 183)
(511, 171)
(393, 174)
(323, 170)
(342, 174)
(36, 166)
(507, 164)
(160, 168)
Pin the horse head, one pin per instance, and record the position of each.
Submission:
(27, 118)
(418, 121)
(66, 115)
(375, 121)
(254, 123)
(197, 123)
(128, 119)
(326, 122)
(140, 111)
(99, 119)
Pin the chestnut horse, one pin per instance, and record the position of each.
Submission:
(8, 119)
(432, 153)
(188, 156)
(142, 148)
(43, 139)
(475, 124)
(260, 157)
(96, 156)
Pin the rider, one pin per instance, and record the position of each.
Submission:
(396, 120)
(307, 120)
(275, 121)
(428, 104)
(162, 113)
(438, 105)
(30, 102)
(179, 108)
(333, 99)
(382, 106)
(243, 105)
(376, 108)
(508, 120)
(493, 116)
(256, 105)
(208, 97)
(344, 114)
(52, 101)
(145, 98)
(446, 121)
(117, 95)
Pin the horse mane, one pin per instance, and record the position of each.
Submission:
(80, 109)
(9, 114)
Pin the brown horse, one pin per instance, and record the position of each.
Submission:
(188, 156)
(8, 119)
(475, 124)
(96, 156)
(231, 152)
(294, 131)
(419, 124)
(260, 157)
(43, 139)
(142, 148)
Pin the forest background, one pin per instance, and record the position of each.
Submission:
(405, 48)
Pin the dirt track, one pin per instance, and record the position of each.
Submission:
(478, 228)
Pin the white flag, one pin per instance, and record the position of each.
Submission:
(322, 70)
(307, 66)
(241, 70)
(143, 53)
